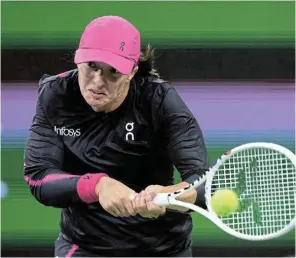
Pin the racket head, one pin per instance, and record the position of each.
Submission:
(267, 199)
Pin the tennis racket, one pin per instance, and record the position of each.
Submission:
(264, 177)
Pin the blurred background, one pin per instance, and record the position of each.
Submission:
(232, 62)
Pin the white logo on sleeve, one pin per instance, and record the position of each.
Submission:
(129, 127)
(67, 131)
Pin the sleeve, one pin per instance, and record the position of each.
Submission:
(43, 162)
(183, 138)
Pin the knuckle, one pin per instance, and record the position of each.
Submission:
(113, 203)
(151, 208)
(136, 208)
(108, 207)
(131, 211)
(121, 214)
(143, 207)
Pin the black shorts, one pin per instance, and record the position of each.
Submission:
(64, 248)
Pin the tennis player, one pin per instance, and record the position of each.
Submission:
(104, 141)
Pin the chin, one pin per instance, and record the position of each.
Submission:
(98, 105)
(97, 102)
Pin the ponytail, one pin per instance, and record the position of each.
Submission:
(146, 63)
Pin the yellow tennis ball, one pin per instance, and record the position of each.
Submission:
(224, 202)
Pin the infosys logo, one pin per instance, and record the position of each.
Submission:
(67, 132)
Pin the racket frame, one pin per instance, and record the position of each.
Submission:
(167, 199)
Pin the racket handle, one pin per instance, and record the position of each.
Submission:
(161, 199)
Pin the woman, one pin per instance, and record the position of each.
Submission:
(104, 141)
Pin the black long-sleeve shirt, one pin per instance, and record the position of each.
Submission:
(137, 144)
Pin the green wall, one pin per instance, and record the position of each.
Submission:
(60, 24)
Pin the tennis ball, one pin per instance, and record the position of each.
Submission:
(224, 202)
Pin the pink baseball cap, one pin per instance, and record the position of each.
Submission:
(111, 40)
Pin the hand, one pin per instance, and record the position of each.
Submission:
(143, 202)
(115, 197)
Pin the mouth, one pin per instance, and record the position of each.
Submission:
(97, 92)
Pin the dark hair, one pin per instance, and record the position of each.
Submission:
(146, 63)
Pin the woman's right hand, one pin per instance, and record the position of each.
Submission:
(115, 197)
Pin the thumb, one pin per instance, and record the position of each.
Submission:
(150, 188)
(152, 195)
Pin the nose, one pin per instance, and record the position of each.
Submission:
(98, 77)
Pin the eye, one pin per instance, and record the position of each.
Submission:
(113, 70)
(92, 65)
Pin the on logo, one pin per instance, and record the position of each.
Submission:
(129, 135)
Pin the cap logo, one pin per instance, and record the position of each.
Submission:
(122, 44)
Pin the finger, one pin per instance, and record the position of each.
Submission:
(116, 207)
(132, 196)
(154, 209)
(152, 194)
(122, 208)
(147, 215)
(149, 197)
(133, 204)
(136, 203)
(148, 190)
(140, 204)
(113, 211)
(144, 210)
(128, 205)
(143, 205)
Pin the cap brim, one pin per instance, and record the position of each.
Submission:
(120, 63)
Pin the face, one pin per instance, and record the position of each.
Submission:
(102, 86)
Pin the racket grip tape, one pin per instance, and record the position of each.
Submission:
(161, 199)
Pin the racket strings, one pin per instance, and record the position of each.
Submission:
(265, 182)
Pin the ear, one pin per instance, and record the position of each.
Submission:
(133, 72)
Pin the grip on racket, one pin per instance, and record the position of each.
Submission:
(161, 199)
